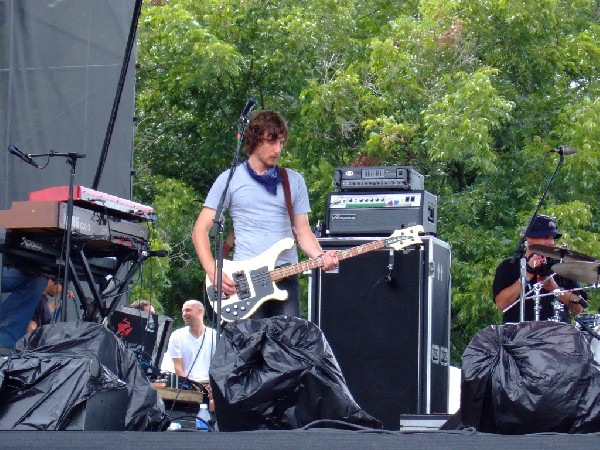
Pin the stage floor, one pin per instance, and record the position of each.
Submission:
(330, 439)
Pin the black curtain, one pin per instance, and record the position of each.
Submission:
(60, 62)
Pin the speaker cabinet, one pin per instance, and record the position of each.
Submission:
(144, 333)
(105, 411)
(386, 315)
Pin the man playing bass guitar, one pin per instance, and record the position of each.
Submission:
(257, 205)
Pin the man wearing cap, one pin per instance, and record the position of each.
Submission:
(507, 282)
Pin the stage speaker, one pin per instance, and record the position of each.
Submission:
(144, 333)
(386, 315)
(105, 411)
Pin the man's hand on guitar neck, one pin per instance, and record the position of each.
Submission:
(330, 260)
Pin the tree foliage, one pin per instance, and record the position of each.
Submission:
(472, 93)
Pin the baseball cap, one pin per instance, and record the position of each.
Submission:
(543, 226)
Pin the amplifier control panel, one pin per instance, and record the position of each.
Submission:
(379, 213)
(379, 200)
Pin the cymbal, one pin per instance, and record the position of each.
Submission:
(566, 254)
(584, 271)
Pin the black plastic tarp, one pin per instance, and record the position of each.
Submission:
(279, 373)
(52, 372)
(530, 377)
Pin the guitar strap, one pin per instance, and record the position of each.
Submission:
(228, 245)
(288, 199)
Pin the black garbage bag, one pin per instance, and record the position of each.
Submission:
(45, 392)
(279, 373)
(530, 377)
(59, 351)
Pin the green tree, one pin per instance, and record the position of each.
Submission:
(473, 93)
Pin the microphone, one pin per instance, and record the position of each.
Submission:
(565, 150)
(159, 253)
(582, 301)
(18, 153)
(250, 104)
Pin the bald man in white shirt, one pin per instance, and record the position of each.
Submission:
(192, 347)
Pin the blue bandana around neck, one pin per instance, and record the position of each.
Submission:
(270, 179)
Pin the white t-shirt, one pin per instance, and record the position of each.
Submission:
(166, 364)
(182, 344)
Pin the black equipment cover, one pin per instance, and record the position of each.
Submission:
(279, 373)
(530, 377)
(52, 372)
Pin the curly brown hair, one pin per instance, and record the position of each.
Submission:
(264, 126)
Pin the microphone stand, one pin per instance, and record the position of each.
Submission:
(71, 161)
(520, 250)
(218, 226)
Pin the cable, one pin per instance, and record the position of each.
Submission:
(115, 108)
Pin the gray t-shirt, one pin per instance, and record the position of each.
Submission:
(260, 219)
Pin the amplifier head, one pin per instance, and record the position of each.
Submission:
(380, 213)
(369, 178)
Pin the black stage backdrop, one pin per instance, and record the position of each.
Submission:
(60, 62)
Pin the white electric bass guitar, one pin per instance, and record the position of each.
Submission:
(255, 278)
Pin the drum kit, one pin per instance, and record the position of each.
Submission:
(584, 269)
